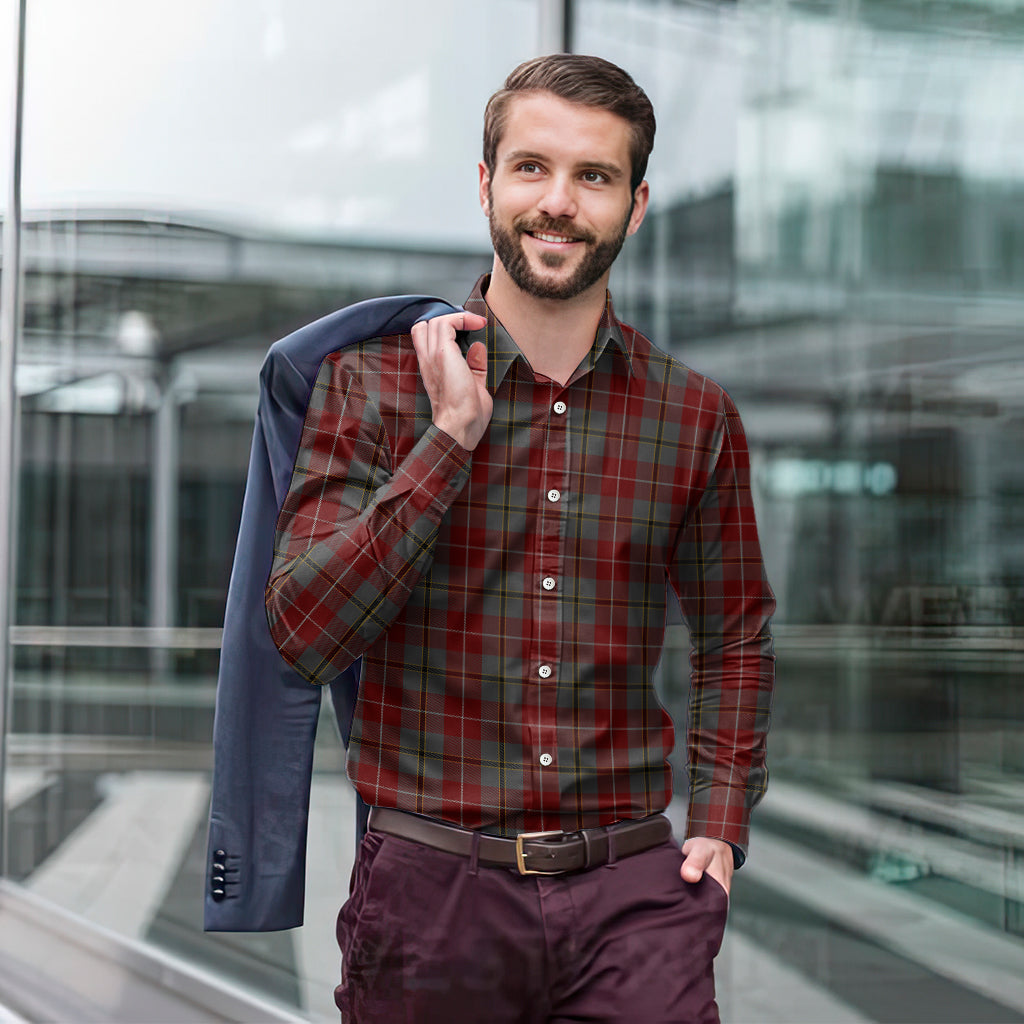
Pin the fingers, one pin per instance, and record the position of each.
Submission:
(696, 863)
(431, 337)
(435, 340)
(456, 386)
(473, 321)
(711, 855)
(447, 325)
(477, 357)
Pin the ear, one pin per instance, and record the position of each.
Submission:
(640, 199)
(485, 182)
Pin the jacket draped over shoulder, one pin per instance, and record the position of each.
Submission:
(266, 713)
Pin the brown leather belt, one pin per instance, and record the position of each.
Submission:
(530, 853)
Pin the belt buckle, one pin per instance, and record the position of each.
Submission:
(521, 853)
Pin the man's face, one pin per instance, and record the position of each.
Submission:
(559, 203)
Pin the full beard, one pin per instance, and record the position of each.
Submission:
(599, 256)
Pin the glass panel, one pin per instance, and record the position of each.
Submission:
(201, 178)
(836, 236)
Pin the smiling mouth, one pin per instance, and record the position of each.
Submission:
(546, 237)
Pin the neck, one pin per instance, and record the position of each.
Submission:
(553, 334)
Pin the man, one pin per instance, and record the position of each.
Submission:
(491, 512)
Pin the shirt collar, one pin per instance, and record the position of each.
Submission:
(502, 351)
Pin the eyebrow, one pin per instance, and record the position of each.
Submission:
(613, 171)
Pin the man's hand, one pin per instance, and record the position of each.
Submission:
(457, 386)
(711, 855)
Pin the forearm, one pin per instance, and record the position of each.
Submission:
(333, 591)
(727, 604)
(730, 711)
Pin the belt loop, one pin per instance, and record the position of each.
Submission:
(474, 853)
(609, 832)
(585, 833)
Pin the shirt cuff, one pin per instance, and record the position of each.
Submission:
(738, 855)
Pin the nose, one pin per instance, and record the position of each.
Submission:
(559, 199)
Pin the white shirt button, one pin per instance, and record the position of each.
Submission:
(560, 407)
(548, 583)
(554, 495)
(546, 759)
(544, 671)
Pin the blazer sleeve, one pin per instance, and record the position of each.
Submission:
(266, 714)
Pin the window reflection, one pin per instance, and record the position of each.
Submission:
(199, 180)
(854, 280)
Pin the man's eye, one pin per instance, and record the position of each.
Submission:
(529, 168)
(593, 177)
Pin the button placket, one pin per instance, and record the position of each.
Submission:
(549, 562)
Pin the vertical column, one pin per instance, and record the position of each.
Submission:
(554, 26)
(163, 547)
(10, 310)
(664, 288)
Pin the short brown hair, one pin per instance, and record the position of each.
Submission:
(575, 77)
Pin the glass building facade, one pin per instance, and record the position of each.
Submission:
(836, 235)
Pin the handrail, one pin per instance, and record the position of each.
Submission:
(168, 637)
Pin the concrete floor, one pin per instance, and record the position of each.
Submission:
(810, 941)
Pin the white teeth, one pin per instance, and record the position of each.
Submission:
(551, 238)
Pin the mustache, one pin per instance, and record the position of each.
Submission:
(548, 226)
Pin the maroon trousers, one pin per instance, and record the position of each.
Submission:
(429, 937)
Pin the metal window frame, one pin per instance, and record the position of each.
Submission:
(10, 324)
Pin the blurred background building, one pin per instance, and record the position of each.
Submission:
(836, 235)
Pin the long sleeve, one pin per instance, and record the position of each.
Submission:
(355, 533)
(726, 602)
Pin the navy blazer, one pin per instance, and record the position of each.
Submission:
(266, 714)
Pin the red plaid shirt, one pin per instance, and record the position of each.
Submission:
(509, 604)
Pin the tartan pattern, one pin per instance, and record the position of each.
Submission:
(396, 545)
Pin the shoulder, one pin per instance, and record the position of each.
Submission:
(678, 384)
(380, 374)
(369, 358)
